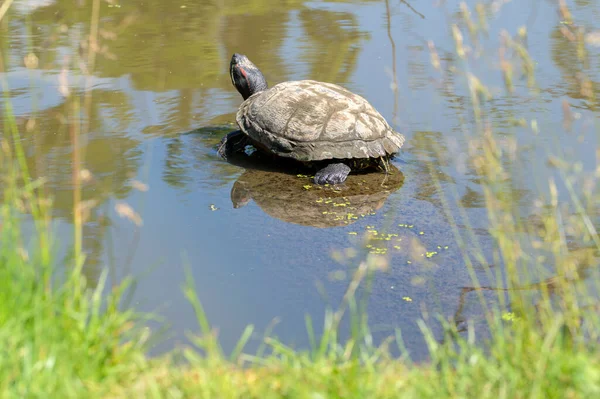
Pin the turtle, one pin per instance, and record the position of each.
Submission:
(322, 125)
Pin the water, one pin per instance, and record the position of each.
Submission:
(258, 242)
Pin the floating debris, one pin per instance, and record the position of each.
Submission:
(213, 207)
(352, 233)
(407, 298)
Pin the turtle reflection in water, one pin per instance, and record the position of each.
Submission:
(293, 199)
(321, 125)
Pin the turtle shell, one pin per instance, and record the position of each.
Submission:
(310, 121)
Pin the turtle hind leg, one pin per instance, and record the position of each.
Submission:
(334, 173)
(233, 142)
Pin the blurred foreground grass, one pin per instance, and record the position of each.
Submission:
(58, 338)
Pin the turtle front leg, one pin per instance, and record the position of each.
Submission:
(233, 142)
(334, 173)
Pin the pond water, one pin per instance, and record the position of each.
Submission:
(260, 244)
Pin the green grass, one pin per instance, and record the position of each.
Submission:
(59, 338)
(56, 336)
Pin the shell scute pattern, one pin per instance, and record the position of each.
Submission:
(310, 120)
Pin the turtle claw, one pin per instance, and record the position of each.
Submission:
(334, 173)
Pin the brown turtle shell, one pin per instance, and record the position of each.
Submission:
(311, 121)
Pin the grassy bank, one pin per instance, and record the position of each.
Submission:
(60, 338)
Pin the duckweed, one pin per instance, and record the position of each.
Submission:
(510, 316)
(375, 235)
(378, 251)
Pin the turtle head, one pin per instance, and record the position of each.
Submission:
(245, 76)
